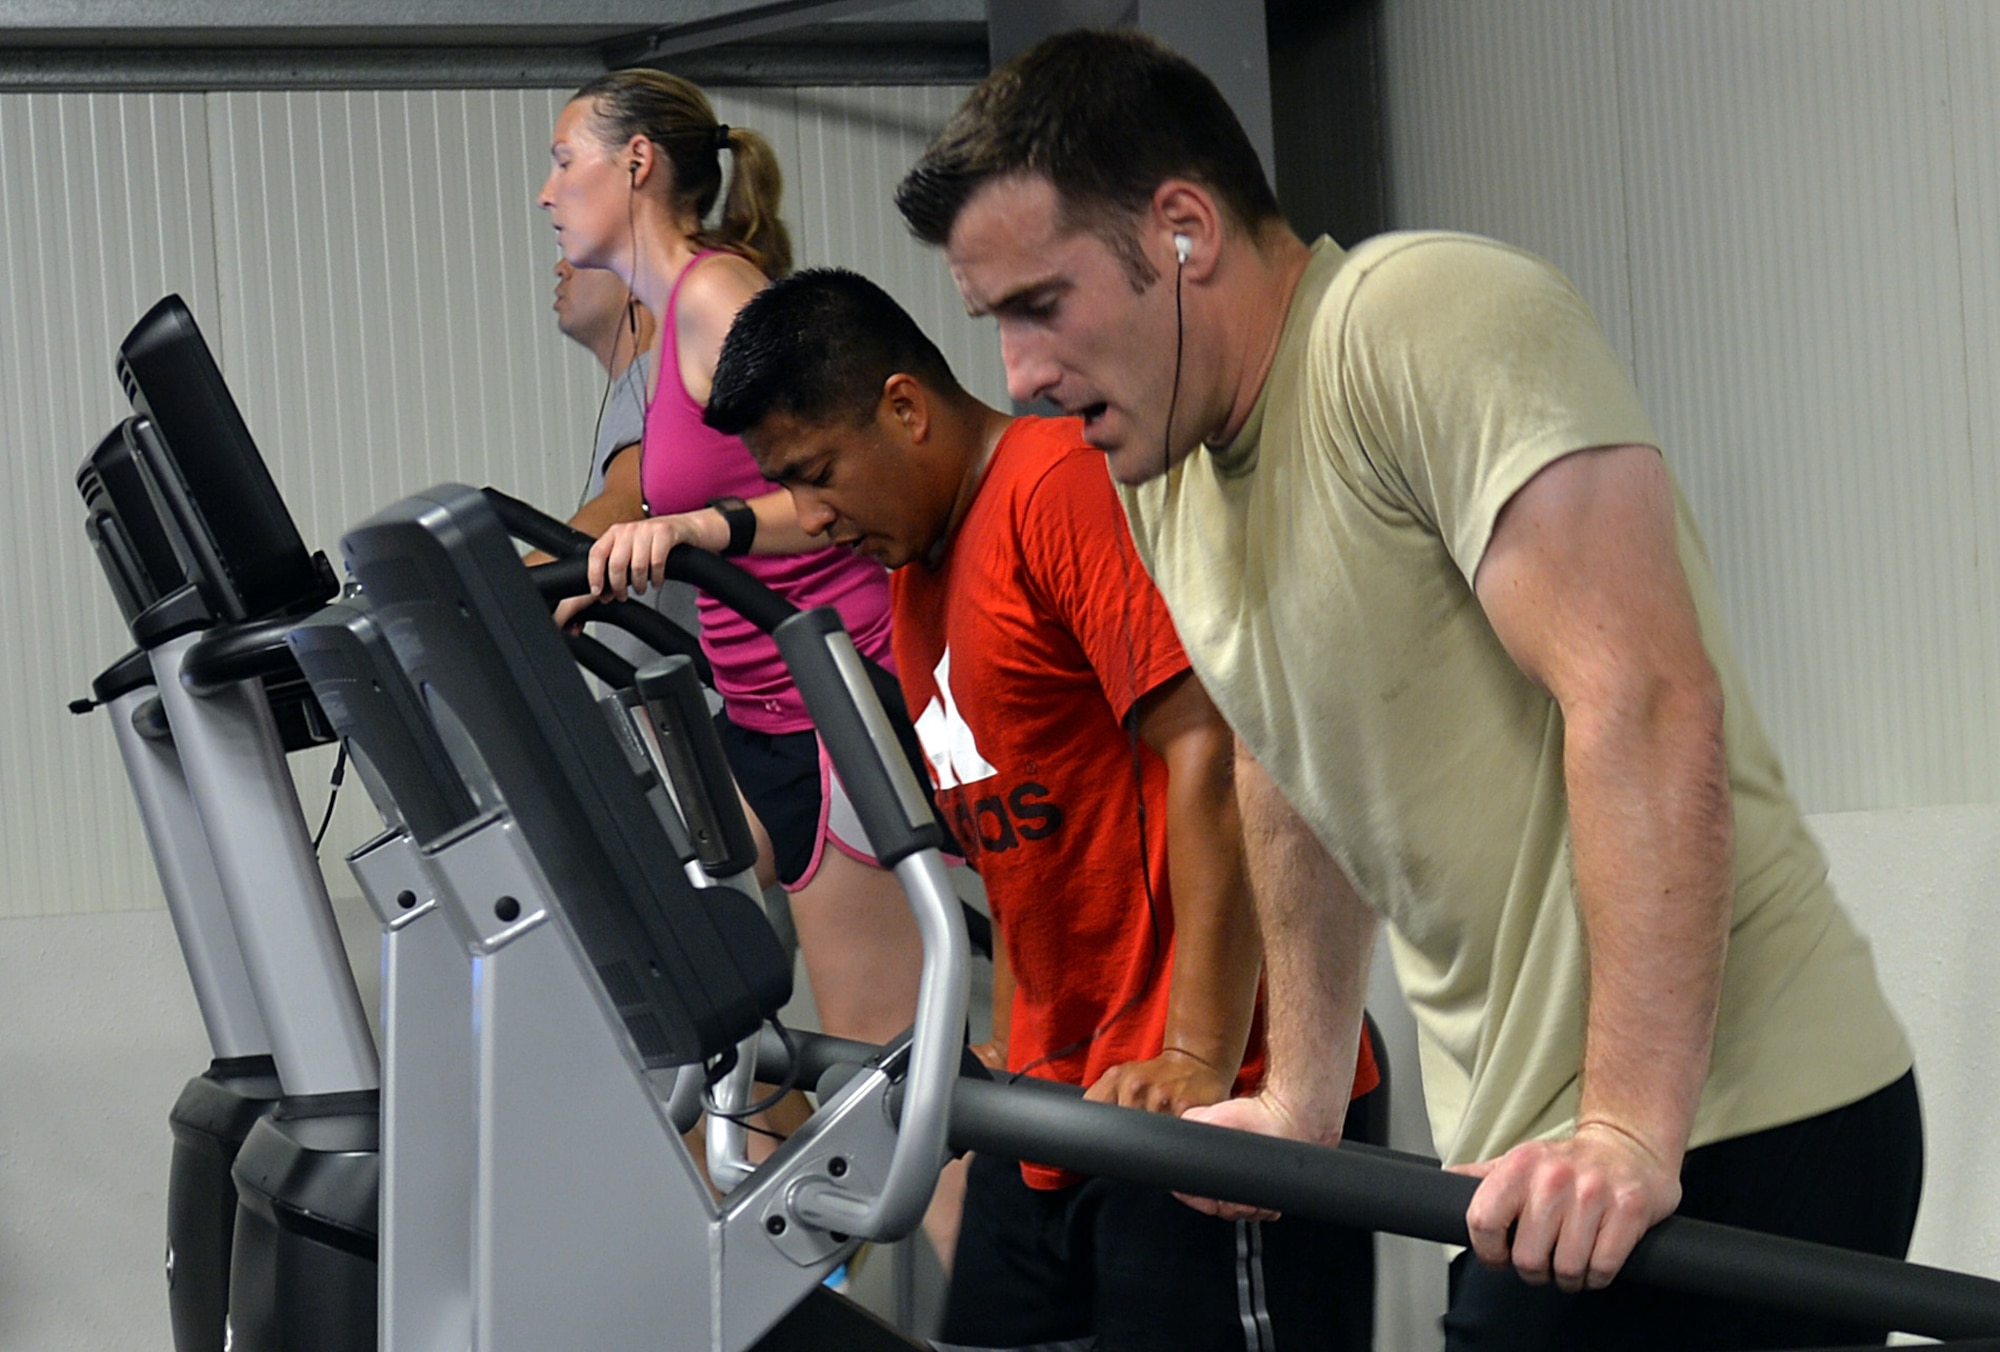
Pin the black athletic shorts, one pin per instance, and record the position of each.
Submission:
(779, 774)
(787, 780)
(1119, 1267)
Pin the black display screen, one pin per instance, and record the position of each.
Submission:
(245, 553)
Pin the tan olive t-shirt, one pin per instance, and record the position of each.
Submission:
(1320, 569)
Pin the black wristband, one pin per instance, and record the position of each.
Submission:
(742, 521)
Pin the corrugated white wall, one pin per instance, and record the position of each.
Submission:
(375, 279)
(1784, 213)
(104, 205)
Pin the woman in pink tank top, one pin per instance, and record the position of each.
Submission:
(637, 169)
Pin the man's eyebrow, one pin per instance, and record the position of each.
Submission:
(783, 465)
(1021, 297)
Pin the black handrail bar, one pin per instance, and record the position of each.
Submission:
(1375, 1189)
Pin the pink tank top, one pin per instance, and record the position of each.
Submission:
(683, 463)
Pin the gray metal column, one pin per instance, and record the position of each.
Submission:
(222, 989)
(1224, 37)
(249, 812)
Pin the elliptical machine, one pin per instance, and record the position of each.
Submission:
(179, 511)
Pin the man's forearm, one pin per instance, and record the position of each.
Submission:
(1652, 839)
(993, 1052)
(1213, 992)
(621, 498)
(1317, 935)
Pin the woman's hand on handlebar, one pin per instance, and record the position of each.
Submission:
(632, 555)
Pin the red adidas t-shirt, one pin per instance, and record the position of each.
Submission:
(1020, 654)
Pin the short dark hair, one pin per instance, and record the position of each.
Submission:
(818, 346)
(1106, 116)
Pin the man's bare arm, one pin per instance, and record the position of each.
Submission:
(1318, 938)
(1212, 993)
(1585, 589)
(621, 498)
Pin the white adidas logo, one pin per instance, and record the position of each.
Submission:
(947, 741)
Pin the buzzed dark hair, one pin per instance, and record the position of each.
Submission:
(1106, 116)
(818, 346)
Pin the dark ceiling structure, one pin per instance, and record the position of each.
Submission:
(106, 45)
(1302, 74)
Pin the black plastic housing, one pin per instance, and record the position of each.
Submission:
(367, 699)
(308, 1186)
(690, 971)
(210, 1120)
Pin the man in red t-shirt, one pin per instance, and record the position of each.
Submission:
(1090, 782)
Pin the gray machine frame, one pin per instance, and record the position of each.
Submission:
(618, 1238)
(195, 904)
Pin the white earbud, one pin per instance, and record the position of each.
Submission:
(1183, 246)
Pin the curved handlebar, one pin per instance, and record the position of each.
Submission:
(717, 576)
(761, 606)
(654, 630)
(730, 585)
(606, 665)
(233, 653)
(903, 834)
(567, 576)
(563, 578)
(533, 526)
(1398, 1193)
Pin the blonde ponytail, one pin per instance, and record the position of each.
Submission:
(750, 224)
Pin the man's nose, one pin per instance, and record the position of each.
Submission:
(1030, 375)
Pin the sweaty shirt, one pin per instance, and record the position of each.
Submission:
(1320, 567)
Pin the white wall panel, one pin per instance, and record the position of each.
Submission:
(385, 324)
(1795, 263)
(1502, 119)
(856, 145)
(1972, 56)
(1921, 884)
(1784, 213)
(103, 208)
(385, 279)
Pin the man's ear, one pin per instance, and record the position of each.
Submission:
(1189, 226)
(905, 400)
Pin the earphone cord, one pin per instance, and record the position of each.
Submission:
(1173, 395)
(603, 406)
(632, 317)
(631, 326)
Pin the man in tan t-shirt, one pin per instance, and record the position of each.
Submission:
(1422, 547)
